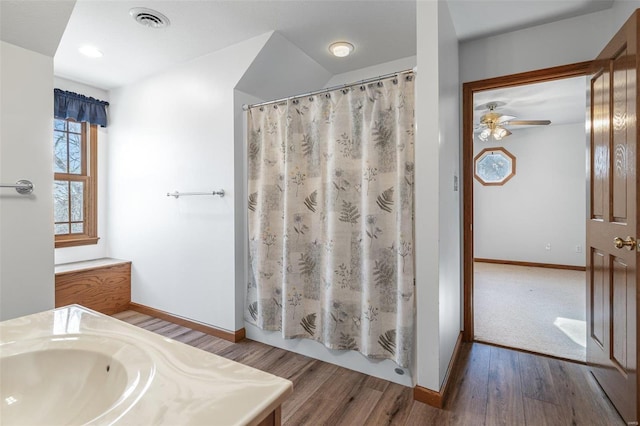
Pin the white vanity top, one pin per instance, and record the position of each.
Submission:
(167, 382)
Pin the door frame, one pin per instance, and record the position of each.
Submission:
(468, 90)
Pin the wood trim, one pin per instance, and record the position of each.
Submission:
(73, 242)
(274, 418)
(531, 264)
(106, 289)
(437, 399)
(83, 149)
(277, 415)
(497, 345)
(468, 89)
(234, 337)
(529, 77)
(92, 206)
(428, 396)
(90, 178)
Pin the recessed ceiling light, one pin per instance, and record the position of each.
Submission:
(341, 49)
(90, 52)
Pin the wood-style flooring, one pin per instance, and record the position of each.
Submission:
(490, 386)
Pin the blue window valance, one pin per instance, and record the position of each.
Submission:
(79, 107)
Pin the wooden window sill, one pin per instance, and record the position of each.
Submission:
(73, 242)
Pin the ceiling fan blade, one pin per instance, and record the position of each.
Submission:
(504, 118)
(529, 122)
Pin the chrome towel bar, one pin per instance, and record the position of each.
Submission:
(22, 186)
(177, 194)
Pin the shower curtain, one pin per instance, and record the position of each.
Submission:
(331, 180)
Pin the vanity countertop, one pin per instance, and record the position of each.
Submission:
(176, 383)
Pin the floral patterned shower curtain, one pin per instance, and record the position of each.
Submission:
(331, 218)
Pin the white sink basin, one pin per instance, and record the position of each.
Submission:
(71, 380)
(74, 366)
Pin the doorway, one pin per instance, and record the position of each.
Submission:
(472, 92)
(529, 233)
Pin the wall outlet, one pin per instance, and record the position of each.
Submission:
(578, 248)
(548, 246)
(455, 182)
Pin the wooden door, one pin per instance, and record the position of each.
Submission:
(612, 222)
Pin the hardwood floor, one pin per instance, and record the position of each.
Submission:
(491, 386)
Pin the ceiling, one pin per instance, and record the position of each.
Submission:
(381, 30)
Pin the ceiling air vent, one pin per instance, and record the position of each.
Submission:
(149, 17)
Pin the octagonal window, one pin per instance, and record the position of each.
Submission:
(494, 166)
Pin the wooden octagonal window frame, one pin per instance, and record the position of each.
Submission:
(511, 172)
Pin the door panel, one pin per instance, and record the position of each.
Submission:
(613, 207)
(599, 307)
(621, 83)
(619, 316)
(599, 143)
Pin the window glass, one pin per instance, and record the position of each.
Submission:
(494, 166)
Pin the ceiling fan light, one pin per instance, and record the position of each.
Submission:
(484, 135)
(499, 133)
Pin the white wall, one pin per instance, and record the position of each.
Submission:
(26, 222)
(427, 176)
(175, 131)
(437, 204)
(544, 203)
(558, 43)
(372, 71)
(92, 251)
(281, 69)
(450, 194)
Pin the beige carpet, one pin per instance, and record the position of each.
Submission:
(536, 309)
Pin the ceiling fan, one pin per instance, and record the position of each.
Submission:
(492, 124)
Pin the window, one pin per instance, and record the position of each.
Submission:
(494, 166)
(75, 184)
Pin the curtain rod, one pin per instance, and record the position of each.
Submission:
(246, 107)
